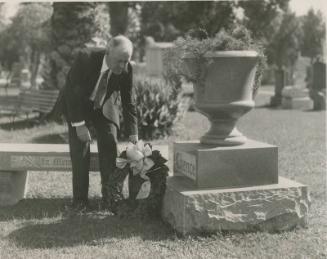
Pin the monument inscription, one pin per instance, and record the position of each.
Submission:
(185, 163)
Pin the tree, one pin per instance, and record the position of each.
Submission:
(2, 17)
(25, 39)
(165, 21)
(102, 21)
(314, 33)
(73, 24)
(9, 50)
(28, 27)
(260, 16)
(263, 19)
(284, 48)
(118, 12)
(158, 18)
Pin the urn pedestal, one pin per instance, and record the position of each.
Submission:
(226, 181)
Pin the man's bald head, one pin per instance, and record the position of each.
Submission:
(120, 42)
(119, 53)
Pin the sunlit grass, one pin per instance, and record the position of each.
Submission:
(39, 227)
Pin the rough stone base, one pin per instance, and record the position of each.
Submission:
(275, 207)
(13, 187)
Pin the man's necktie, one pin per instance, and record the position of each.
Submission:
(102, 90)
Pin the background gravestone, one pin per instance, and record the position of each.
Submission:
(318, 90)
(154, 56)
(280, 81)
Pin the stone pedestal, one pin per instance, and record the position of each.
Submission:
(296, 98)
(154, 54)
(231, 189)
(13, 187)
(275, 207)
(253, 163)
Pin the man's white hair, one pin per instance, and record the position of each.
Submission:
(122, 42)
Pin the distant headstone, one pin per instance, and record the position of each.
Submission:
(318, 90)
(296, 98)
(25, 79)
(15, 79)
(280, 81)
(154, 54)
(319, 76)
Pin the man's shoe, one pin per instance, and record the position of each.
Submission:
(106, 205)
(79, 206)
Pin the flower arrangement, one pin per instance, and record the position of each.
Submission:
(197, 44)
(139, 181)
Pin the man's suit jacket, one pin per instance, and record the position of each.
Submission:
(81, 81)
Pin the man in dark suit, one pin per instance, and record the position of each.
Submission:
(97, 83)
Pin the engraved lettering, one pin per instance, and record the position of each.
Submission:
(186, 164)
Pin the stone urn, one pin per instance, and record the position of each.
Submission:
(225, 93)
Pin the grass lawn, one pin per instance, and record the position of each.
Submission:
(38, 227)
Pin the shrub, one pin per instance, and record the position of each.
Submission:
(159, 107)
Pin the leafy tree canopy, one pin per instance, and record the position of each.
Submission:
(283, 49)
(166, 20)
(314, 34)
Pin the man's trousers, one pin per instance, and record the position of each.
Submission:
(106, 134)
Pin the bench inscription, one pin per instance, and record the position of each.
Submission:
(44, 162)
(39, 162)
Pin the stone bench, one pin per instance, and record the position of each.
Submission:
(17, 159)
(41, 101)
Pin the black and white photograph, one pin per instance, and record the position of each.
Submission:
(163, 129)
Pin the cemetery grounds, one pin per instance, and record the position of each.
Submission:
(39, 226)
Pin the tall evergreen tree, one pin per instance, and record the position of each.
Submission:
(284, 48)
(262, 17)
(118, 17)
(159, 18)
(72, 25)
(314, 33)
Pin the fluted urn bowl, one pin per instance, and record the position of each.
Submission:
(225, 93)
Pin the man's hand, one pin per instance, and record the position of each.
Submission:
(133, 139)
(83, 133)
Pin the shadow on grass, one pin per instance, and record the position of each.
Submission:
(62, 229)
(89, 230)
(35, 208)
(313, 110)
(49, 139)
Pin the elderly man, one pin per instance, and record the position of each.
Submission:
(97, 83)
